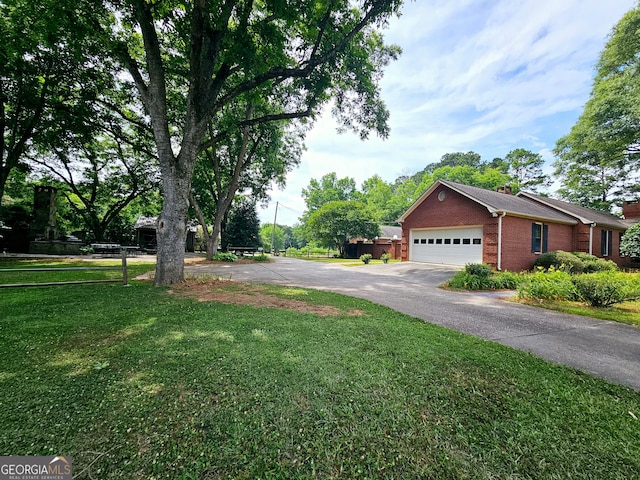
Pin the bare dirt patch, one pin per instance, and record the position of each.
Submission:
(249, 294)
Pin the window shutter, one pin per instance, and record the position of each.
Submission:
(533, 237)
(610, 245)
(545, 238)
(603, 243)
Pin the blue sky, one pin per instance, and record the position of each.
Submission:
(488, 76)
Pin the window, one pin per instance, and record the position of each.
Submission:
(606, 242)
(415, 240)
(423, 241)
(539, 237)
(466, 241)
(447, 241)
(439, 241)
(477, 241)
(456, 241)
(431, 241)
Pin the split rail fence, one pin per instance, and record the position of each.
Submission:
(124, 280)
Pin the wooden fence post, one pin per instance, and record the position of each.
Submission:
(125, 273)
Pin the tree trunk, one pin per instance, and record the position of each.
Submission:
(4, 176)
(172, 229)
(215, 234)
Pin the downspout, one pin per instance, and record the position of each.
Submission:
(499, 264)
(591, 238)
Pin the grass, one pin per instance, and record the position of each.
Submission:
(134, 269)
(349, 262)
(138, 383)
(626, 312)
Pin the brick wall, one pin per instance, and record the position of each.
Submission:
(614, 254)
(454, 211)
(378, 247)
(516, 242)
(631, 210)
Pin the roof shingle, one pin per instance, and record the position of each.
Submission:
(583, 214)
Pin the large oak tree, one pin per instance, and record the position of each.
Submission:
(191, 60)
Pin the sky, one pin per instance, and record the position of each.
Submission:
(484, 76)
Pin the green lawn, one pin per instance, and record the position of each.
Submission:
(141, 382)
(134, 268)
(350, 262)
(626, 312)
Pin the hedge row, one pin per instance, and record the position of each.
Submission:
(557, 276)
(600, 289)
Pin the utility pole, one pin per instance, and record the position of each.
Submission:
(273, 231)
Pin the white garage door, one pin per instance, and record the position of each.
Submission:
(452, 246)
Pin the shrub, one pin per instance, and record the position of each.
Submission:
(603, 289)
(545, 261)
(366, 258)
(550, 285)
(506, 280)
(559, 260)
(493, 281)
(630, 243)
(385, 257)
(595, 264)
(225, 257)
(478, 269)
(468, 281)
(260, 258)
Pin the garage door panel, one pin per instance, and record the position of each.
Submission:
(457, 246)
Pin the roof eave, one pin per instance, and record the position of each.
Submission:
(430, 190)
(584, 220)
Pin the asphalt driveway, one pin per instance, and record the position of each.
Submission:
(605, 349)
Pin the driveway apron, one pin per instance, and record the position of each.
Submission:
(605, 349)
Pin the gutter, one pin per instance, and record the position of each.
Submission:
(591, 226)
(499, 263)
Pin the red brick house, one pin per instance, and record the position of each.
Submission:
(457, 224)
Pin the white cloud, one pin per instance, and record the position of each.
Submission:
(488, 76)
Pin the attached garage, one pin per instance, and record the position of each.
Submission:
(449, 246)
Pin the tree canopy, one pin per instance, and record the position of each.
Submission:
(599, 160)
(336, 222)
(52, 73)
(243, 226)
(525, 169)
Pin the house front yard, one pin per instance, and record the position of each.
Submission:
(225, 380)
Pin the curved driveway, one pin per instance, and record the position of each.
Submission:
(605, 349)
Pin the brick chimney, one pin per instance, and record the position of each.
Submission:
(504, 189)
(631, 209)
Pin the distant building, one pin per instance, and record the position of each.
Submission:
(389, 241)
(146, 235)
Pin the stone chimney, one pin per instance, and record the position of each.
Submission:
(631, 209)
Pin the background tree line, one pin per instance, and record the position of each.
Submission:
(336, 210)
